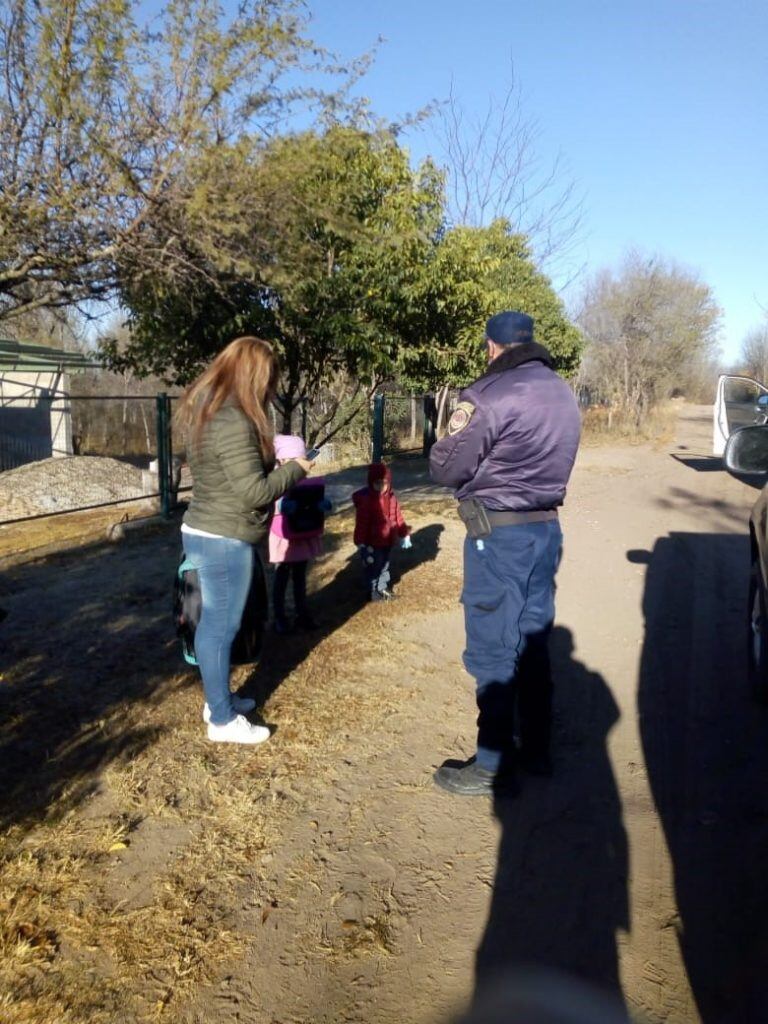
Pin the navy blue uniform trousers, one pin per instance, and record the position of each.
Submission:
(509, 608)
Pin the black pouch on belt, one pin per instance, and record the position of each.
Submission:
(475, 518)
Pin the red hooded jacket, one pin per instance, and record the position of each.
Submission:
(378, 519)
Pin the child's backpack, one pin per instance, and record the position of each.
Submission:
(187, 606)
(307, 516)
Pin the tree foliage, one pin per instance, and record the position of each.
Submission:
(472, 273)
(159, 169)
(333, 246)
(307, 240)
(652, 328)
(102, 123)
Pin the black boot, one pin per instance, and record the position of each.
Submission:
(305, 622)
(469, 779)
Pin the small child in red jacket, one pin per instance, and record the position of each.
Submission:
(378, 523)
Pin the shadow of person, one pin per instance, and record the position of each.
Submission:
(543, 996)
(336, 603)
(426, 545)
(560, 891)
(706, 751)
(82, 646)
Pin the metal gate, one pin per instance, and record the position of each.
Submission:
(403, 425)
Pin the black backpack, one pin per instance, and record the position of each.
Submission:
(308, 516)
(187, 605)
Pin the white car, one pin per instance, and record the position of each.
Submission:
(739, 402)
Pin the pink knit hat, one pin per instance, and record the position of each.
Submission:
(289, 446)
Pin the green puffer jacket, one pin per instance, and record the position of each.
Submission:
(232, 493)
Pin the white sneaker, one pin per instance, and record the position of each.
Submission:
(240, 705)
(239, 730)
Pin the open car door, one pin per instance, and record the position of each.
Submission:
(739, 402)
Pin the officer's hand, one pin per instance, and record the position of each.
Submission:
(406, 543)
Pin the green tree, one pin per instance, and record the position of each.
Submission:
(472, 273)
(310, 241)
(332, 246)
(102, 122)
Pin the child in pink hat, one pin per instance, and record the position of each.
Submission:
(296, 536)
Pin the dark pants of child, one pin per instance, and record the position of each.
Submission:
(376, 569)
(283, 572)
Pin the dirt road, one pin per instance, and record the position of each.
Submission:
(641, 865)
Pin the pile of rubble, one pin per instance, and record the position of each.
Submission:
(57, 485)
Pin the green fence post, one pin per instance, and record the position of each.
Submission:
(378, 428)
(430, 421)
(172, 492)
(164, 465)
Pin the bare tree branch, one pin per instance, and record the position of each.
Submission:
(494, 172)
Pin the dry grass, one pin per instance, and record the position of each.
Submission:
(602, 425)
(67, 528)
(102, 922)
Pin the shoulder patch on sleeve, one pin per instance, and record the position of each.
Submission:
(460, 418)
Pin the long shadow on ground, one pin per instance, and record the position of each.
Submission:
(706, 750)
(560, 891)
(332, 606)
(87, 632)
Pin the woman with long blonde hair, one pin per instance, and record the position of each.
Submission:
(231, 453)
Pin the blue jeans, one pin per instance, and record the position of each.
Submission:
(377, 575)
(509, 608)
(224, 566)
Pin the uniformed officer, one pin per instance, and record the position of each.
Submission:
(508, 453)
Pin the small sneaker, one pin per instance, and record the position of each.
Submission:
(240, 705)
(239, 730)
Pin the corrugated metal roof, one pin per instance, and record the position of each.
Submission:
(17, 355)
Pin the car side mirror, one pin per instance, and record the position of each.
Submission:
(762, 403)
(746, 455)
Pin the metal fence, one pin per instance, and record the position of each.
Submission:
(403, 425)
(17, 451)
(129, 431)
(135, 432)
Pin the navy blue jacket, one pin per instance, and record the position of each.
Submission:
(513, 437)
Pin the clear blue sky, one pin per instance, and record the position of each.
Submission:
(660, 109)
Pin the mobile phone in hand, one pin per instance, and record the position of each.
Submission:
(313, 453)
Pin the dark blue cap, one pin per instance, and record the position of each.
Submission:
(510, 328)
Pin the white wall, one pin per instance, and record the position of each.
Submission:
(35, 414)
